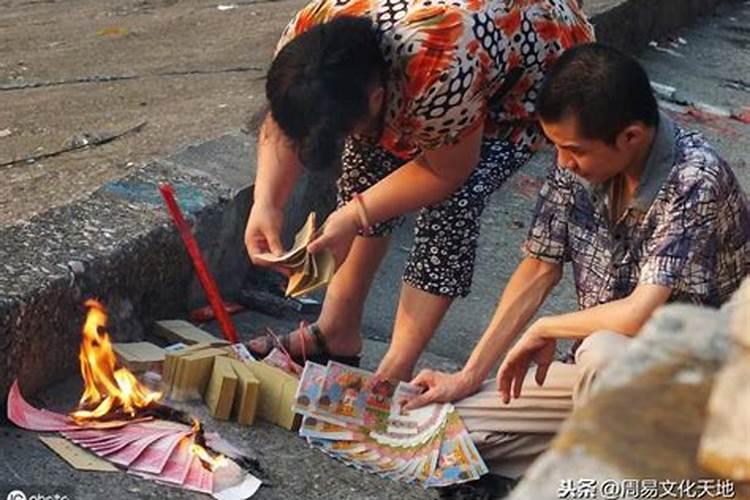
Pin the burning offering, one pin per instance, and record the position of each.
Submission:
(123, 422)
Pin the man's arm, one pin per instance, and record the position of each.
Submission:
(523, 296)
(526, 291)
(625, 316)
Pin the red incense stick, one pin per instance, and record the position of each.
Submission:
(207, 281)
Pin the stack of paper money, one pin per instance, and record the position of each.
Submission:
(154, 449)
(308, 272)
(358, 419)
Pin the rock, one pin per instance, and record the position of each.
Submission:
(739, 309)
(725, 446)
(639, 433)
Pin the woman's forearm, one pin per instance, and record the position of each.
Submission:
(426, 180)
(409, 188)
(278, 166)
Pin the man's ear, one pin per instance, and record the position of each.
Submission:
(634, 135)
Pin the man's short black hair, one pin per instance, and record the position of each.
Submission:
(605, 89)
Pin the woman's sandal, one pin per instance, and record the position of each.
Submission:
(322, 356)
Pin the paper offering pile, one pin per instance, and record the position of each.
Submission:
(358, 419)
(159, 450)
(308, 272)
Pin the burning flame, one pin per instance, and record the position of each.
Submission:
(208, 460)
(106, 389)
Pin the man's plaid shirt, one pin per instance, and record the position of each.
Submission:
(687, 227)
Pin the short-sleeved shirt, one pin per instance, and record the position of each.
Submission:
(687, 227)
(454, 65)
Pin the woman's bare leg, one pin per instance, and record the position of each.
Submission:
(341, 316)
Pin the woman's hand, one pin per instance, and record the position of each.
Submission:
(263, 234)
(441, 388)
(337, 233)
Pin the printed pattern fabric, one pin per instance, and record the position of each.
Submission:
(441, 261)
(454, 65)
(693, 238)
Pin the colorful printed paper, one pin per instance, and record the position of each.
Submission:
(353, 417)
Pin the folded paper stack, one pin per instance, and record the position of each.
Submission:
(358, 419)
(308, 271)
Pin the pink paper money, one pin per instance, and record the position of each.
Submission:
(195, 477)
(155, 457)
(132, 451)
(26, 416)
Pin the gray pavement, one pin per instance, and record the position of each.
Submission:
(713, 54)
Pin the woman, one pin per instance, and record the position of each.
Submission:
(428, 105)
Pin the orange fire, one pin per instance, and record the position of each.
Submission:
(211, 462)
(106, 389)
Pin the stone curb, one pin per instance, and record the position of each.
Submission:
(118, 245)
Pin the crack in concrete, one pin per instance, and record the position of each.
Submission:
(96, 142)
(115, 78)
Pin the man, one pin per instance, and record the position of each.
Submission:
(645, 212)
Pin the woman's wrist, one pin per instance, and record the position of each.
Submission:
(364, 222)
(266, 206)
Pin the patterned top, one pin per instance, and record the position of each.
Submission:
(687, 227)
(453, 64)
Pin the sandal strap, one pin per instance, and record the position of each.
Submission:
(286, 342)
(317, 335)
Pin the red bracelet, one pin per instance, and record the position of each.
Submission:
(364, 220)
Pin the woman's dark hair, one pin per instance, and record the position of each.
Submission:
(318, 86)
(605, 89)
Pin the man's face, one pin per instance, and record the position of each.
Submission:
(592, 159)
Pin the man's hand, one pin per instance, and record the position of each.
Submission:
(441, 388)
(338, 233)
(512, 372)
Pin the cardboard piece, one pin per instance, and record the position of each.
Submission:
(171, 358)
(139, 356)
(192, 373)
(277, 390)
(248, 391)
(181, 331)
(76, 456)
(221, 388)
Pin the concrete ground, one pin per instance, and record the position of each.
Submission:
(187, 69)
(715, 56)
